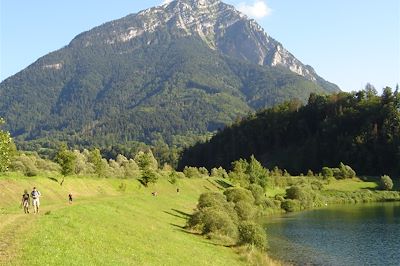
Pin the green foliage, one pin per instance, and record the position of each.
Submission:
(67, 160)
(210, 199)
(291, 205)
(249, 172)
(5, 148)
(258, 193)
(176, 87)
(192, 172)
(358, 129)
(245, 210)
(217, 221)
(99, 163)
(386, 183)
(252, 234)
(219, 173)
(238, 194)
(327, 172)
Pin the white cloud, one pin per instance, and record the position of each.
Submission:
(258, 9)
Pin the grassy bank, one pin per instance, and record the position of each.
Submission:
(108, 226)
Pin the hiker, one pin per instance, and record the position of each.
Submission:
(177, 190)
(25, 201)
(35, 200)
(70, 198)
(155, 193)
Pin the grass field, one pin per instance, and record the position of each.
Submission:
(105, 226)
(351, 185)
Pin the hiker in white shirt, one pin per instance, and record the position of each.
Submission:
(35, 200)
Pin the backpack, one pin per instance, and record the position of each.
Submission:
(25, 196)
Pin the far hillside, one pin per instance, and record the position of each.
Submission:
(360, 129)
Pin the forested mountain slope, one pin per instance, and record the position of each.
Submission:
(188, 67)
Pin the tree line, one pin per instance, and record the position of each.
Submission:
(360, 129)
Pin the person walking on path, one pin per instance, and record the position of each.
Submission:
(25, 201)
(70, 198)
(35, 200)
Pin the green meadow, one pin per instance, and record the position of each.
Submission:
(105, 225)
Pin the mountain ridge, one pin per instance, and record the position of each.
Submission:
(187, 66)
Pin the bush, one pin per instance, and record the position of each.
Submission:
(192, 172)
(327, 172)
(239, 194)
(252, 234)
(210, 199)
(216, 221)
(386, 183)
(245, 210)
(291, 205)
(203, 171)
(257, 192)
(219, 173)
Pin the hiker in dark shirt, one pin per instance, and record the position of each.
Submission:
(25, 201)
(70, 198)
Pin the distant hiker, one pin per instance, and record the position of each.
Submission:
(177, 190)
(70, 198)
(35, 200)
(25, 201)
(155, 193)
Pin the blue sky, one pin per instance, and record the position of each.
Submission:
(348, 42)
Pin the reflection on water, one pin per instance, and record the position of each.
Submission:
(341, 235)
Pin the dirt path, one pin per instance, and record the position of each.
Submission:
(12, 226)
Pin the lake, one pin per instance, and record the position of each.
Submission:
(365, 234)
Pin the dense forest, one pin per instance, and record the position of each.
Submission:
(360, 129)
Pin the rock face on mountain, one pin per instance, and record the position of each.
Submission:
(190, 66)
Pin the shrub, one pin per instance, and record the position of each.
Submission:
(203, 171)
(217, 221)
(210, 199)
(271, 203)
(291, 205)
(239, 194)
(192, 172)
(252, 234)
(257, 192)
(386, 183)
(316, 185)
(327, 172)
(25, 164)
(219, 173)
(245, 210)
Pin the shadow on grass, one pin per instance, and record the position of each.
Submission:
(178, 213)
(53, 179)
(214, 184)
(223, 183)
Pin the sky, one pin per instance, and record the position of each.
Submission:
(348, 42)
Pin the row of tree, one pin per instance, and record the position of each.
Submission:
(361, 129)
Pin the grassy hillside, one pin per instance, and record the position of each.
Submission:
(105, 226)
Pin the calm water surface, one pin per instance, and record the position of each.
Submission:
(341, 235)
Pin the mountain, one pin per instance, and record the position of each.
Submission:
(184, 68)
(359, 129)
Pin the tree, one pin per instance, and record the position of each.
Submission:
(5, 148)
(148, 165)
(67, 160)
(327, 172)
(97, 160)
(386, 183)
